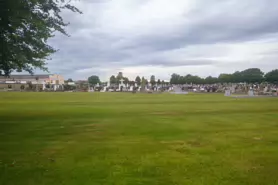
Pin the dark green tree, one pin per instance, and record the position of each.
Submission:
(272, 76)
(93, 80)
(26, 26)
(119, 77)
(158, 82)
(210, 80)
(143, 82)
(152, 80)
(126, 80)
(113, 79)
(252, 75)
(237, 77)
(174, 78)
(69, 80)
(225, 78)
(138, 80)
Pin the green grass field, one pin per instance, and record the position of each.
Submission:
(132, 139)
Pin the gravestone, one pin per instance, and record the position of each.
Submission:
(121, 85)
(233, 89)
(131, 88)
(103, 90)
(228, 92)
(251, 92)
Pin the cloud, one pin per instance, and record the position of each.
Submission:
(186, 36)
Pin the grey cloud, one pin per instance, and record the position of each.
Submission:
(210, 22)
(210, 25)
(173, 63)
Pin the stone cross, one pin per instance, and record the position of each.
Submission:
(122, 81)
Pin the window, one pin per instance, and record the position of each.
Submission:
(9, 86)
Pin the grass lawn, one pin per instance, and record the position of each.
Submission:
(132, 139)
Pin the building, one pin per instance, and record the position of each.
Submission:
(32, 82)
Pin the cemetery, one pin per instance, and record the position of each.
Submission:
(230, 90)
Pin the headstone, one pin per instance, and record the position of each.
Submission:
(43, 86)
(265, 89)
(91, 90)
(251, 92)
(104, 89)
(121, 85)
(233, 89)
(122, 82)
(227, 92)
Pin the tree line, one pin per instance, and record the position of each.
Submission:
(251, 75)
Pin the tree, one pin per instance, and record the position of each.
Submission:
(146, 81)
(272, 76)
(126, 81)
(252, 75)
(237, 77)
(69, 80)
(25, 29)
(174, 78)
(138, 80)
(158, 82)
(152, 80)
(210, 80)
(113, 79)
(143, 81)
(225, 78)
(93, 80)
(119, 77)
(187, 79)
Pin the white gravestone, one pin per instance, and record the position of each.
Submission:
(43, 86)
(228, 92)
(121, 84)
(104, 89)
(251, 92)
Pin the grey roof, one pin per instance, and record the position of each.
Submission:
(18, 77)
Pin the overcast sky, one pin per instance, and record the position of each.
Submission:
(161, 37)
